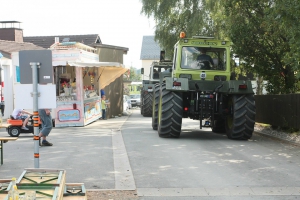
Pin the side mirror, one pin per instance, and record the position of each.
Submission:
(142, 70)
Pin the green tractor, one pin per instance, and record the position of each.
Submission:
(157, 68)
(200, 88)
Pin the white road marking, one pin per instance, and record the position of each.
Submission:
(123, 174)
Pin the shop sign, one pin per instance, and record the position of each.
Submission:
(68, 115)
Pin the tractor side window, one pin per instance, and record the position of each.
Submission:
(174, 59)
(155, 73)
(219, 59)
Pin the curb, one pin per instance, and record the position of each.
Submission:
(276, 137)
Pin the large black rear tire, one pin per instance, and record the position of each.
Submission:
(170, 113)
(240, 124)
(155, 107)
(147, 105)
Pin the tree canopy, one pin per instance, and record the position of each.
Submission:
(264, 33)
(174, 16)
(132, 75)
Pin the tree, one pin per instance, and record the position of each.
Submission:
(265, 33)
(175, 16)
(261, 40)
(132, 75)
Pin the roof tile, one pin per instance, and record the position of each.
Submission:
(11, 46)
(47, 41)
(150, 49)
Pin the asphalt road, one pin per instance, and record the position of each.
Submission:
(126, 154)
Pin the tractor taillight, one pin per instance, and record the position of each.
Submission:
(242, 87)
(175, 83)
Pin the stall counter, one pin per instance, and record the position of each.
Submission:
(77, 113)
(92, 109)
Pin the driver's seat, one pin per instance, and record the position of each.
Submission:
(155, 75)
(204, 65)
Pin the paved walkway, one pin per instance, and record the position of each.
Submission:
(89, 154)
(94, 154)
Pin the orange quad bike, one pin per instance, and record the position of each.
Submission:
(14, 128)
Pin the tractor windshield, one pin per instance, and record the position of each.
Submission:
(203, 58)
(160, 68)
(156, 73)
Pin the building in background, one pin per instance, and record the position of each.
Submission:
(11, 40)
(11, 32)
(150, 52)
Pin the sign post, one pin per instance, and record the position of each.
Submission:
(39, 62)
(36, 131)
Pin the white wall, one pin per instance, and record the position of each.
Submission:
(146, 64)
(7, 77)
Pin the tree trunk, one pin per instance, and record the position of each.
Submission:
(260, 85)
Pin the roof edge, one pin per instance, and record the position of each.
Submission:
(110, 47)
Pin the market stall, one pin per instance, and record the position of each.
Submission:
(79, 77)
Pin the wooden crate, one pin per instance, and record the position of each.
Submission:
(2, 196)
(41, 193)
(47, 183)
(4, 183)
(42, 177)
(74, 191)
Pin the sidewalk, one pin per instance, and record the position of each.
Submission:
(86, 153)
(116, 119)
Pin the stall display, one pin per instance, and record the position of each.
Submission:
(78, 102)
(75, 93)
(78, 80)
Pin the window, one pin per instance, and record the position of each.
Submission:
(203, 58)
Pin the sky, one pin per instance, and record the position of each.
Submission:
(118, 22)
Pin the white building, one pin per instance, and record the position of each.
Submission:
(150, 52)
(8, 71)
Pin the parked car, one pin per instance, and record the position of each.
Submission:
(135, 100)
